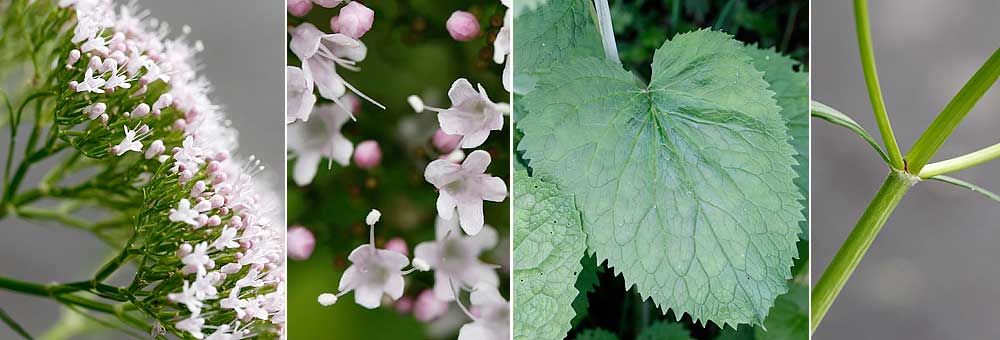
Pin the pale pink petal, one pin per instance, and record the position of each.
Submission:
(441, 172)
(324, 74)
(341, 149)
(475, 139)
(350, 278)
(474, 331)
(442, 287)
(494, 189)
(305, 168)
(446, 205)
(476, 162)
(345, 47)
(305, 40)
(368, 297)
(470, 215)
(394, 287)
(461, 91)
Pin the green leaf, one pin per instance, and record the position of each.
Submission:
(548, 243)
(586, 283)
(974, 188)
(791, 88)
(664, 330)
(789, 319)
(596, 334)
(550, 35)
(522, 6)
(831, 115)
(685, 186)
(16, 327)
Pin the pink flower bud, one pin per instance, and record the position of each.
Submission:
(74, 56)
(180, 124)
(300, 242)
(95, 63)
(354, 20)
(185, 176)
(217, 201)
(398, 245)
(198, 188)
(444, 142)
(327, 3)
(428, 307)
(141, 110)
(214, 166)
(73, 84)
(367, 155)
(144, 129)
(219, 178)
(463, 26)
(165, 100)
(231, 268)
(404, 305)
(222, 156)
(184, 250)
(104, 118)
(299, 8)
(155, 148)
(95, 110)
(215, 220)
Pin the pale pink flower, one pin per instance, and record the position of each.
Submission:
(444, 142)
(462, 26)
(501, 51)
(472, 115)
(428, 307)
(299, 8)
(311, 141)
(454, 258)
(354, 20)
(493, 321)
(299, 95)
(301, 243)
(368, 155)
(398, 245)
(129, 143)
(321, 53)
(373, 273)
(465, 186)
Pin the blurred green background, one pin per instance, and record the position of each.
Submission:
(409, 52)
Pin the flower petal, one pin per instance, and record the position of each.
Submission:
(493, 188)
(368, 296)
(470, 215)
(305, 168)
(476, 162)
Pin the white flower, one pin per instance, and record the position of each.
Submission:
(192, 325)
(374, 272)
(493, 322)
(184, 213)
(234, 302)
(91, 83)
(117, 80)
(299, 94)
(198, 260)
(455, 258)
(311, 141)
(226, 239)
(187, 297)
(129, 143)
(321, 53)
(204, 286)
(472, 115)
(465, 186)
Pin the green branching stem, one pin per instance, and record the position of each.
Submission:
(871, 80)
(857, 243)
(961, 162)
(953, 113)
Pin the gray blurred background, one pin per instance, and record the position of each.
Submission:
(932, 273)
(244, 58)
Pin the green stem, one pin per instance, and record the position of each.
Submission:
(871, 80)
(961, 162)
(953, 113)
(607, 30)
(857, 243)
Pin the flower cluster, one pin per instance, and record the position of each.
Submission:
(376, 275)
(208, 239)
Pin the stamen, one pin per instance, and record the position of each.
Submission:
(458, 301)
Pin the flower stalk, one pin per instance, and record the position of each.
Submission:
(871, 80)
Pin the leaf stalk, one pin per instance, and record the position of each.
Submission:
(961, 162)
